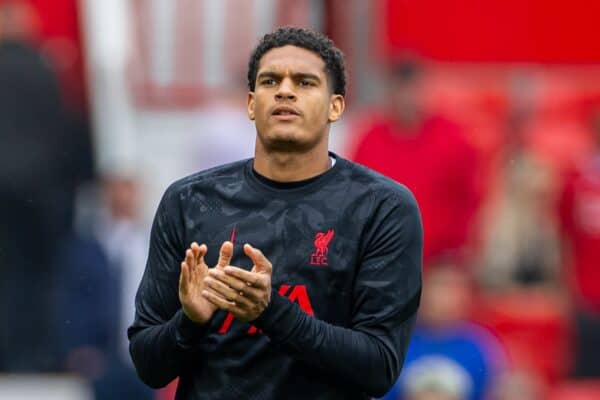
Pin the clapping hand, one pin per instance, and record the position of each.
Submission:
(191, 281)
(245, 294)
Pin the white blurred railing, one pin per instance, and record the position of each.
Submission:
(48, 387)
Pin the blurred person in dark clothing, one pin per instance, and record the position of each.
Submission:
(580, 217)
(94, 300)
(428, 154)
(36, 184)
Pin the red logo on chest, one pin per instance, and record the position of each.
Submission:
(319, 257)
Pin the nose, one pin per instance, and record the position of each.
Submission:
(285, 91)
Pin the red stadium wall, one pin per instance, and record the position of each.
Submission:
(545, 31)
(60, 39)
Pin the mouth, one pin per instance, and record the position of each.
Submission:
(285, 113)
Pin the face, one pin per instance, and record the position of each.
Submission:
(406, 98)
(18, 21)
(292, 104)
(446, 296)
(433, 395)
(121, 196)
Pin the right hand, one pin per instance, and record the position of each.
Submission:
(191, 281)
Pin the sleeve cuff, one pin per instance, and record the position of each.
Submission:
(187, 332)
(276, 314)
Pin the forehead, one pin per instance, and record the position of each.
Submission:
(292, 59)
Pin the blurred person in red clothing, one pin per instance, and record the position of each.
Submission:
(580, 217)
(429, 155)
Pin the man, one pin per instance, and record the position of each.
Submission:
(428, 153)
(341, 242)
(445, 343)
(38, 171)
(97, 297)
(579, 212)
(435, 378)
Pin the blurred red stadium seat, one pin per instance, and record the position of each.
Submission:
(534, 327)
(576, 390)
(562, 144)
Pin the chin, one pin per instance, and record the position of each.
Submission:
(286, 145)
(288, 141)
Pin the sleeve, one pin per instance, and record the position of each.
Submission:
(386, 295)
(162, 340)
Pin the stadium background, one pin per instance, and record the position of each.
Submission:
(151, 90)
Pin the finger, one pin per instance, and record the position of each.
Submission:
(252, 294)
(225, 254)
(243, 280)
(218, 301)
(184, 277)
(253, 279)
(201, 268)
(239, 286)
(199, 252)
(194, 247)
(189, 258)
(221, 288)
(258, 258)
(202, 252)
(193, 271)
(228, 293)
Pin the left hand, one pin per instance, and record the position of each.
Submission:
(245, 294)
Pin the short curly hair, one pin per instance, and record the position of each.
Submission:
(309, 40)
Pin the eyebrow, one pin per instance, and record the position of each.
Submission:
(295, 76)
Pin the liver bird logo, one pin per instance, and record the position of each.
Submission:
(319, 257)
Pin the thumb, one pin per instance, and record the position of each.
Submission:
(225, 254)
(258, 258)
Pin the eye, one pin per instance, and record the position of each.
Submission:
(268, 82)
(306, 83)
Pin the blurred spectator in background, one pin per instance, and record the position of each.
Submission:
(39, 168)
(523, 301)
(435, 378)
(224, 132)
(520, 236)
(443, 332)
(98, 270)
(517, 385)
(580, 216)
(429, 155)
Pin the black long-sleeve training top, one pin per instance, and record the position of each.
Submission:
(346, 249)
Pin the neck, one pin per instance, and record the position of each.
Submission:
(289, 166)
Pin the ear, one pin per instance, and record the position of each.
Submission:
(250, 105)
(336, 107)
